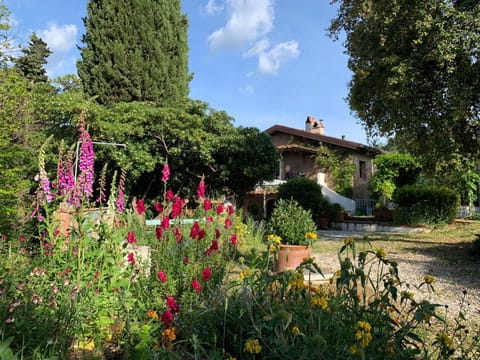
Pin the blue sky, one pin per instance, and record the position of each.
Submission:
(264, 62)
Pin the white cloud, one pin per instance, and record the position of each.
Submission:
(60, 38)
(213, 8)
(249, 90)
(247, 21)
(271, 58)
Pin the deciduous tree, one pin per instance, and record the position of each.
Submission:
(416, 74)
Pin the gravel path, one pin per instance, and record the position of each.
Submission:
(457, 283)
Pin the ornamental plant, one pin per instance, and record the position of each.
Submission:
(292, 223)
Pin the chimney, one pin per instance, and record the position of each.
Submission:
(309, 123)
(314, 126)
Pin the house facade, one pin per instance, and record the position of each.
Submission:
(298, 149)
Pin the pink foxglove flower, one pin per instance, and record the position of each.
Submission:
(234, 239)
(159, 232)
(177, 207)
(86, 162)
(201, 190)
(158, 207)
(167, 318)
(207, 205)
(206, 274)
(194, 230)
(131, 258)
(162, 276)
(165, 173)
(140, 207)
(120, 202)
(165, 224)
(172, 305)
(131, 237)
(196, 286)
(170, 196)
(66, 180)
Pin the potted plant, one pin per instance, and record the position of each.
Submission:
(382, 212)
(296, 230)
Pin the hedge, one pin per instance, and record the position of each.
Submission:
(425, 205)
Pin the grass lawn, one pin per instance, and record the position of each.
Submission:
(451, 242)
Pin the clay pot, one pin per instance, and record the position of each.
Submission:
(290, 256)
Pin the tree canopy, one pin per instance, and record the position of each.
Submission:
(416, 74)
(34, 58)
(135, 51)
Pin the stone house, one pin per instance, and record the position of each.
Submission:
(298, 149)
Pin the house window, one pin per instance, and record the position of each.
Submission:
(362, 170)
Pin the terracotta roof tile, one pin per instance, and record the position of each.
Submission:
(321, 138)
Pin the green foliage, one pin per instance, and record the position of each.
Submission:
(415, 73)
(5, 25)
(392, 171)
(291, 222)
(31, 64)
(245, 157)
(90, 285)
(425, 205)
(17, 158)
(307, 193)
(147, 61)
(337, 165)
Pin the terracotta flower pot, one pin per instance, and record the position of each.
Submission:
(290, 256)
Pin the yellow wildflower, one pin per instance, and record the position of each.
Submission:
(311, 235)
(295, 331)
(252, 346)
(444, 339)
(349, 241)
(320, 303)
(363, 325)
(406, 295)
(353, 349)
(272, 248)
(380, 253)
(245, 273)
(429, 279)
(296, 282)
(363, 333)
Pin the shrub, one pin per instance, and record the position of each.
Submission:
(291, 223)
(307, 193)
(425, 205)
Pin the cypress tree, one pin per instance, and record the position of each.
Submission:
(31, 64)
(135, 50)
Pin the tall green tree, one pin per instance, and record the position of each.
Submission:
(32, 63)
(135, 50)
(17, 156)
(416, 74)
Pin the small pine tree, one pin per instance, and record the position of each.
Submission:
(31, 64)
(135, 50)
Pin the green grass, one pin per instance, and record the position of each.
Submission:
(447, 242)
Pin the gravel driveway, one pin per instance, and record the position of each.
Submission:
(457, 283)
